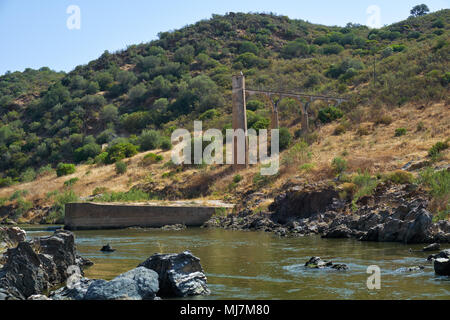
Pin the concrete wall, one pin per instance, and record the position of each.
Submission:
(79, 216)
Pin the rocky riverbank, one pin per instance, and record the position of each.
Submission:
(31, 269)
(394, 213)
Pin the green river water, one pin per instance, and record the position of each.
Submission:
(257, 265)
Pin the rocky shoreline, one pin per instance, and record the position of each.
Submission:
(33, 269)
(392, 214)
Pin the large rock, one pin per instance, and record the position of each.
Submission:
(137, 284)
(75, 291)
(442, 263)
(23, 274)
(11, 236)
(299, 203)
(339, 232)
(34, 267)
(318, 263)
(180, 275)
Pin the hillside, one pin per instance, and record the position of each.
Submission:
(127, 103)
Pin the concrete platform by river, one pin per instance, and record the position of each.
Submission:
(92, 215)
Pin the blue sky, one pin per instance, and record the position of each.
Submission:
(34, 34)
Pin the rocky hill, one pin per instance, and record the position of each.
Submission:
(124, 104)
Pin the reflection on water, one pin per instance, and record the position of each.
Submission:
(255, 265)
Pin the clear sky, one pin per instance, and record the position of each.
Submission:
(34, 34)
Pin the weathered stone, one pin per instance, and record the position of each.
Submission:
(11, 236)
(180, 275)
(34, 267)
(75, 291)
(432, 247)
(442, 266)
(318, 263)
(174, 227)
(299, 203)
(38, 297)
(339, 232)
(137, 284)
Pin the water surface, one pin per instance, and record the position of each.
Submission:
(257, 265)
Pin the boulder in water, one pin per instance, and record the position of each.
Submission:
(442, 263)
(180, 275)
(432, 247)
(137, 284)
(107, 248)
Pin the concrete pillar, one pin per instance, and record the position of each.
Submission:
(305, 117)
(274, 122)
(239, 116)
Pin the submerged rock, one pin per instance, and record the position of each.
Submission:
(432, 247)
(137, 284)
(411, 269)
(442, 263)
(174, 227)
(107, 248)
(180, 275)
(318, 263)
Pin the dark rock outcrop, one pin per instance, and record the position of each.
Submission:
(299, 203)
(180, 275)
(318, 263)
(36, 266)
(339, 232)
(107, 248)
(11, 236)
(432, 247)
(441, 263)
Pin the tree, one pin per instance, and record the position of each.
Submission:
(419, 10)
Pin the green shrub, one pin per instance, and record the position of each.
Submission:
(121, 167)
(166, 144)
(57, 211)
(237, 178)
(437, 148)
(152, 158)
(6, 182)
(438, 184)
(69, 183)
(90, 150)
(64, 169)
(333, 48)
(285, 138)
(400, 132)
(149, 140)
(254, 105)
(120, 151)
(133, 195)
(339, 165)
(365, 184)
(101, 158)
(400, 177)
(330, 114)
(209, 114)
(28, 176)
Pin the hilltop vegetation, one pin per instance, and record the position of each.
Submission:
(130, 101)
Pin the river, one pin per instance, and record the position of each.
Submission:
(257, 265)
